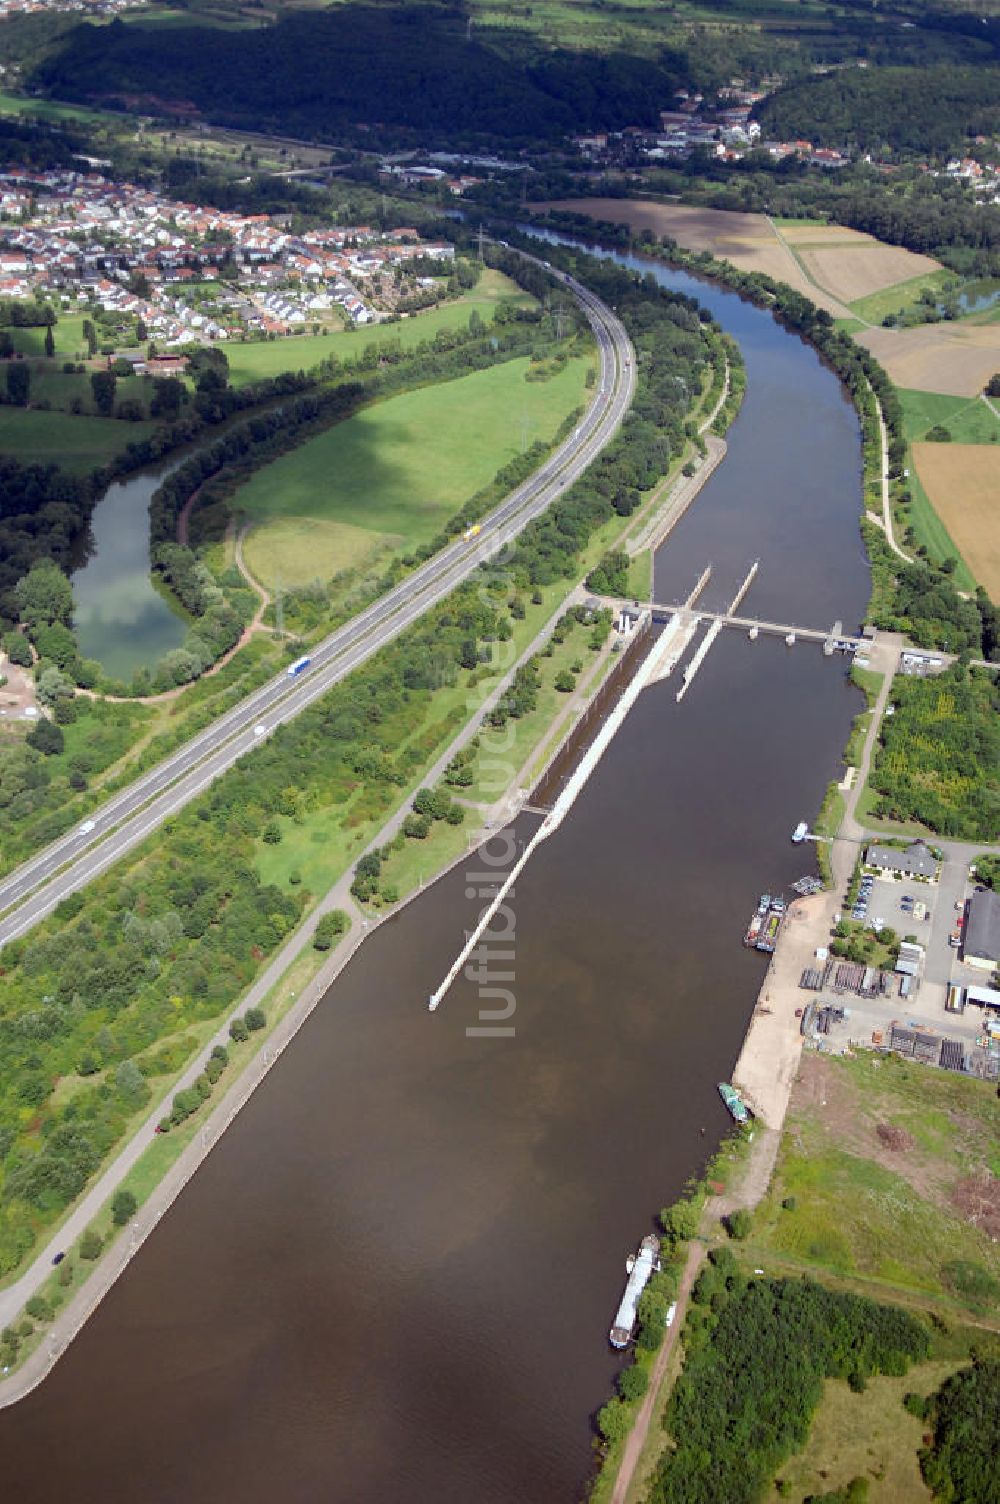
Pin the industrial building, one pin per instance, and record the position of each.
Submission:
(982, 930)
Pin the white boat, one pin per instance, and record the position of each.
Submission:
(800, 832)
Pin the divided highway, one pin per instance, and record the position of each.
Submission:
(32, 891)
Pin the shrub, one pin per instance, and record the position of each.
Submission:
(255, 1018)
(328, 928)
(39, 1307)
(739, 1223)
(123, 1207)
(633, 1383)
(238, 1030)
(614, 1421)
(91, 1244)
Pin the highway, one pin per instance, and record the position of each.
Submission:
(32, 890)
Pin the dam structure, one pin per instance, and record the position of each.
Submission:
(659, 662)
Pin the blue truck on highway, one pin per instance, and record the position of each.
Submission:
(297, 667)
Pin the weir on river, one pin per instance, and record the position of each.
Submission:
(658, 664)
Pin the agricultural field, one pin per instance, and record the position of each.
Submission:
(76, 443)
(888, 1173)
(962, 483)
(967, 419)
(854, 269)
(394, 473)
(830, 264)
(955, 358)
(252, 361)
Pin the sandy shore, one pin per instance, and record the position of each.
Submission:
(769, 1058)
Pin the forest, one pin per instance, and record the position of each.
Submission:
(928, 110)
(123, 971)
(319, 72)
(756, 1354)
(939, 756)
(960, 1461)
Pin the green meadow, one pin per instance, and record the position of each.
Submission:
(392, 475)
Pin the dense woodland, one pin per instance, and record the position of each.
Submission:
(757, 1353)
(960, 1463)
(927, 110)
(322, 72)
(939, 756)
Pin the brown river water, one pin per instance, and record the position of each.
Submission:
(394, 1277)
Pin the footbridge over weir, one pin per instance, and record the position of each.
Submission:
(682, 623)
(833, 638)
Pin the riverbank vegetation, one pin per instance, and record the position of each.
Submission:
(126, 969)
(938, 755)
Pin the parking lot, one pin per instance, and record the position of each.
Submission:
(905, 906)
(929, 912)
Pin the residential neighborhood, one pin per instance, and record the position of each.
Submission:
(186, 273)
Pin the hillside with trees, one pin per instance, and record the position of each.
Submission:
(931, 110)
(320, 72)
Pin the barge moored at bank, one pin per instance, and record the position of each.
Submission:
(762, 931)
(639, 1270)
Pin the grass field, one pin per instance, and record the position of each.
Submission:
(869, 1436)
(286, 552)
(67, 335)
(962, 483)
(399, 469)
(929, 529)
(78, 444)
(900, 295)
(967, 419)
(250, 362)
(888, 1163)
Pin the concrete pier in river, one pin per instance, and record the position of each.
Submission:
(658, 663)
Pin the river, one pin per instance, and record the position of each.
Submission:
(395, 1275)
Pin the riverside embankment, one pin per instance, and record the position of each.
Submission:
(395, 1274)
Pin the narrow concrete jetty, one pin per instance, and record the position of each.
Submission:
(648, 671)
(718, 623)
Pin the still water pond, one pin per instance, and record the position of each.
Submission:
(121, 619)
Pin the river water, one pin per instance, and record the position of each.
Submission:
(394, 1277)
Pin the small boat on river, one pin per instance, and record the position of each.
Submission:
(734, 1102)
